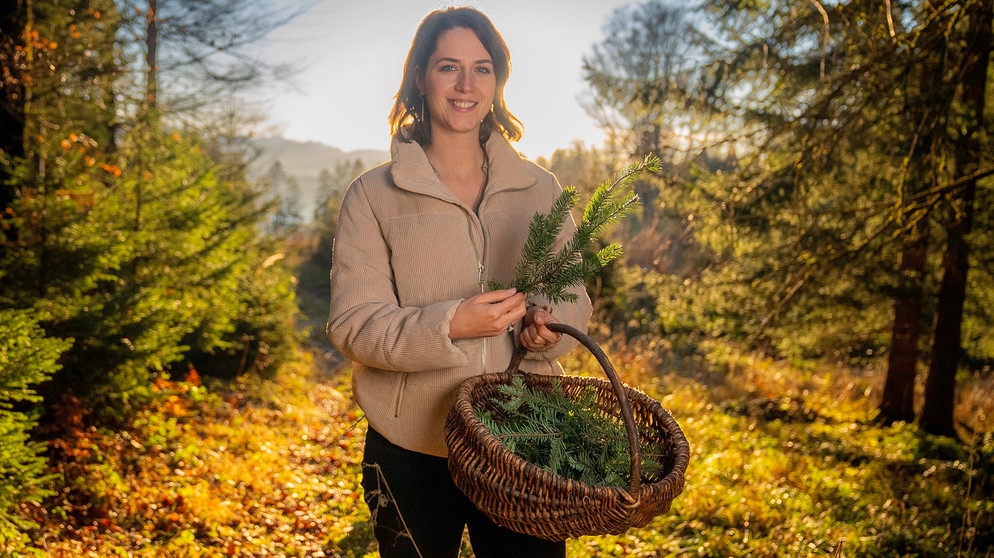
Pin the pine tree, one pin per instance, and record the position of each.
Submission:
(331, 188)
(27, 358)
(848, 141)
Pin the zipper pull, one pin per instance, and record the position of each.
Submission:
(482, 284)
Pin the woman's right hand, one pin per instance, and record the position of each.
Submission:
(487, 314)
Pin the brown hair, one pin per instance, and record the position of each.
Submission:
(409, 118)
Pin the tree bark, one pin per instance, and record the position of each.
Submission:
(898, 401)
(940, 386)
(12, 16)
(151, 54)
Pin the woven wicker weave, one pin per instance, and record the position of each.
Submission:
(525, 498)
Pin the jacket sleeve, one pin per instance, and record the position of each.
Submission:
(366, 322)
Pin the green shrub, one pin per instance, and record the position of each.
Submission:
(148, 266)
(27, 358)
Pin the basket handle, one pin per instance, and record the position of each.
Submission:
(627, 416)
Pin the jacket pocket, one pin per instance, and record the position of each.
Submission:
(399, 396)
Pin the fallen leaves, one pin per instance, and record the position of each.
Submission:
(250, 468)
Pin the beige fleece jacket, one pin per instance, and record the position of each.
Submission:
(406, 253)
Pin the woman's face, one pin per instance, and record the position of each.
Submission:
(459, 83)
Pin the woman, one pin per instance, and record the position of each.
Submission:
(417, 241)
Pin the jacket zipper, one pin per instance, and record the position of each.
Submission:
(483, 355)
(475, 220)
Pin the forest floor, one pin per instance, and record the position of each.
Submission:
(785, 462)
(253, 467)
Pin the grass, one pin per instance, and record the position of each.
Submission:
(785, 462)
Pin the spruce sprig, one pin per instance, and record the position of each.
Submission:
(544, 270)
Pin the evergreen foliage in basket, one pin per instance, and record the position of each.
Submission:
(569, 437)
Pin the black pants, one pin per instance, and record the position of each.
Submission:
(418, 512)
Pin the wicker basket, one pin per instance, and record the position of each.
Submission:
(526, 498)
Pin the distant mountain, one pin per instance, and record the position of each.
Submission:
(304, 161)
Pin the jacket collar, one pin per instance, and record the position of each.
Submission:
(411, 170)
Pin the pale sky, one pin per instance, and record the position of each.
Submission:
(353, 53)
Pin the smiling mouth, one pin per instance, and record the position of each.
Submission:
(463, 104)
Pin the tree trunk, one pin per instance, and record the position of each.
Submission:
(12, 15)
(937, 414)
(151, 54)
(898, 402)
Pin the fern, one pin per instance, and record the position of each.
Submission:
(544, 270)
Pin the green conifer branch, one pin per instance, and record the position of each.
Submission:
(549, 272)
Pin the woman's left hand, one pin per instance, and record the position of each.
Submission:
(536, 337)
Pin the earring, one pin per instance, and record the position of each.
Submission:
(422, 108)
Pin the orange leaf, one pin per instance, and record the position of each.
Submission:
(193, 377)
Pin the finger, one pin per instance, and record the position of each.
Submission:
(494, 297)
(511, 308)
(539, 337)
(538, 315)
(540, 319)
